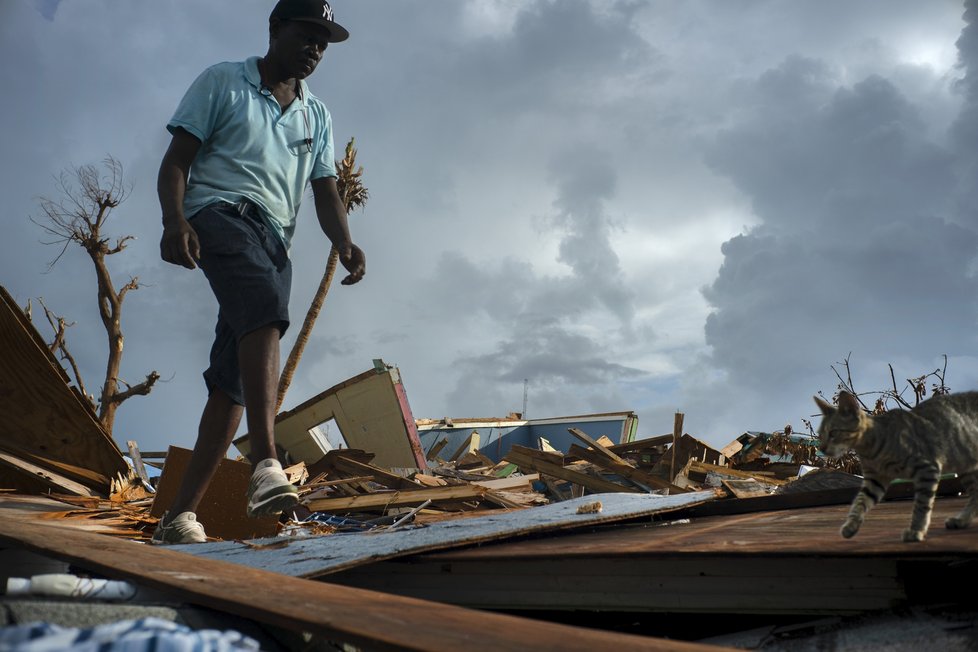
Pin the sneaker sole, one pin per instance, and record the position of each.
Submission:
(273, 505)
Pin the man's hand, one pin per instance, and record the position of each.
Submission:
(354, 261)
(179, 244)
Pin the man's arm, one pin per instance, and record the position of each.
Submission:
(179, 243)
(332, 219)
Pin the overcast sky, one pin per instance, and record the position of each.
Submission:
(646, 205)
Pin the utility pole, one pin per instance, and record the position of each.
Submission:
(526, 384)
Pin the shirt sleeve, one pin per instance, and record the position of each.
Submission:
(198, 110)
(324, 165)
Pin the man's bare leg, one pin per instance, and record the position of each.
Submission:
(258, 358)
(218, 425)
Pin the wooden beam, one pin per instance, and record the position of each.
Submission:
(605, 452)
(372, 620)
(640, 444)
(525, 459)
(625, 470)
(87, 477)
(434, 450)
(745, 488)
(381, 476)
(704, 468)
(137, 462)
(511, 482)
(471, 443)
(677, 432)
(47, 476)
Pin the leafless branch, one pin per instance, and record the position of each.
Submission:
(60, 346)
(142, 389)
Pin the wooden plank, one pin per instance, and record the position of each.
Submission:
(40, 412)
(584, 437)
(372, 620)
(429, 480)
(640, 444)
(48, 477)
(432, 453)
(314, 557)
(81, 475)
(746, 488)
(471, 443)
(511, 482)
(384, 500)
(625, 470)
(523, 458)
(137, 462)
(704, 468)
(677, 432)
(381, 476)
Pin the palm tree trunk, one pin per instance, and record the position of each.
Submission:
(353, 194)
(303, 338)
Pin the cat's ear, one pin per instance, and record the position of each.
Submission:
(823, 405)
(848, 405)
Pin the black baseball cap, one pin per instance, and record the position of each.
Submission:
(310, 11)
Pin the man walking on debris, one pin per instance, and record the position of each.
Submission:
(247, 137)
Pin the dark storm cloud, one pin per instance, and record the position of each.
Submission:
(540, 207)
(860, 249)
(964, 131)
(809, 153)
(585, 181)
(536, 316)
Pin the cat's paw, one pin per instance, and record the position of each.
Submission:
(910, 535)
(849, 529)
(957, 523)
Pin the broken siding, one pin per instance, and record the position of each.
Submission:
(371, 412)
(498, 437)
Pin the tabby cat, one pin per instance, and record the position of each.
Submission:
(939, 435)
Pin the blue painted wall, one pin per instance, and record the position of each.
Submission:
(495, 442)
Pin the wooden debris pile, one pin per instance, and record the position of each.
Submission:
(667, 464)
(345, 483)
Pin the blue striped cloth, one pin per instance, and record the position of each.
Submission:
(143, 635)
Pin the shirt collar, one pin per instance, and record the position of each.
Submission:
(254, 78)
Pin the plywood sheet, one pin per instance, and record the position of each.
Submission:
(41, 413)
(317, 556)
(222, 509)
(808, 532)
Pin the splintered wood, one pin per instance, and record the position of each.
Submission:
(344, 482)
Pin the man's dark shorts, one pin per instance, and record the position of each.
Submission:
(250, 273)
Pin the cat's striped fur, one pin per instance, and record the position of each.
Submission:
(938, 436)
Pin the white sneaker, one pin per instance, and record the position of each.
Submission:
(270, 491)
(184, 528)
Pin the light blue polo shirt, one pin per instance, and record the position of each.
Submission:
(251, 149)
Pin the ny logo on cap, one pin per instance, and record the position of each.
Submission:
(327, 11)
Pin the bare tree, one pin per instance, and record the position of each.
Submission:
(88, 195)
(883, 398)
(354, 195)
